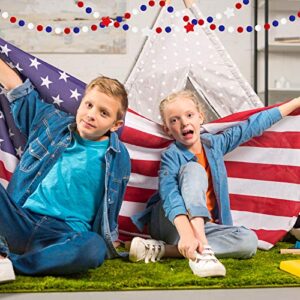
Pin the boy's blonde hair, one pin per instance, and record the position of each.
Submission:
(184, 94)
(112, 88)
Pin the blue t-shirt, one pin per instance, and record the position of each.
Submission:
(73, 189)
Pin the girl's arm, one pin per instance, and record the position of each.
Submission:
(287, 108)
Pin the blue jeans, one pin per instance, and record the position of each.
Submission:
(226, 241)
(41, 245)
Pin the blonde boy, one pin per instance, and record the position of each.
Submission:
(192, 209)
(59, 213)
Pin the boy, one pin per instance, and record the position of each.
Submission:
(194, 211)
(59, 213)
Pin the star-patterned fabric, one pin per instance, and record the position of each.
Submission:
(193, 57)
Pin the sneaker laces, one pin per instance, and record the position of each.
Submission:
(154, 250)
(206, 255)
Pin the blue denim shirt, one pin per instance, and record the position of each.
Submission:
(215, 147)
(49, 132)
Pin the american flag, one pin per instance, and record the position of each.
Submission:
(263, 174)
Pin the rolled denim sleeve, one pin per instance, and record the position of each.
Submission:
(169, 191)
(245, 130)
(27, 107)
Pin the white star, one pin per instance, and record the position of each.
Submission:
(63, 76)
(46, 82)
(10, 132)
(19, 151)
(2, 90)
(11, 65)
(75, 94)
(34, 63)
(229, 12)
(18, 67)
(4, 49)
(57, 100)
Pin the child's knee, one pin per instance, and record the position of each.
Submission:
(248, 243)
(93, 251)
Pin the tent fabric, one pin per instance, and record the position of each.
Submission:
(194, 59)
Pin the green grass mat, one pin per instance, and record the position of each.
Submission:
(260, 271)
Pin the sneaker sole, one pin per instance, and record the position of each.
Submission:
(211, 274)
(7, 277)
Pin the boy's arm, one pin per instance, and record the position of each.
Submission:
(289, 107)
(26, 105)
(8, 77)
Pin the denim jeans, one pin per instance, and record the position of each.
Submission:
(41, 245)
(225, 240)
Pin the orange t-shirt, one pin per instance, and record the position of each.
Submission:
(210, 194)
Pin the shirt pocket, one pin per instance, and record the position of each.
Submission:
(33, 156)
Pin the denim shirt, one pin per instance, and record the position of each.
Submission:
(49, 132)
(215, 147)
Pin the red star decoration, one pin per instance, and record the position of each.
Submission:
(189, 27)
(106, 21)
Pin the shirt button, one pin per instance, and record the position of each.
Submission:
(28, 191)
(52, 155)
(38, 173)
(52, 143)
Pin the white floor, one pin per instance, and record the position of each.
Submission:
(230, 294)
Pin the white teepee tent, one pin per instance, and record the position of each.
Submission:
(197, 60)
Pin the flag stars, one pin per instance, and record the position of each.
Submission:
(2, 90)
(46, 82)
(19, 151)
(5, 49)
(34, 63)
(18, 67)
(57, 100)
(64, 76)
(75, 94)
(11, 65)
(10, 132)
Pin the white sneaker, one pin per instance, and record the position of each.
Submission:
(6, 270)
(142, 249)
(206, 264)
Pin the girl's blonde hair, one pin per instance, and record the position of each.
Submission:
(184, 94)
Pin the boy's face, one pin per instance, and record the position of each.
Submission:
(97, 114)
(183, 122)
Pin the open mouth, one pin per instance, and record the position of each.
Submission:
(187, 132)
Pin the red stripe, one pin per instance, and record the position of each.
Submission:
(126, 224)
(143, 139)
(263, 205)
(244, 115)
(4, 173)
(145, 167)
(273, 139)
(270, 236)
(139, 195)
(266, 172)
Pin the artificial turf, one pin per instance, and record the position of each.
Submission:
(119, 274)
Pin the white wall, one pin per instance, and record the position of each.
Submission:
(88, 66)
